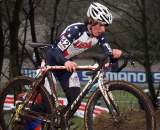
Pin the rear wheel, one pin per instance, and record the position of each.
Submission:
(133, 110)
(16, 113)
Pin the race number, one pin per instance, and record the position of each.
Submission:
(64, 43)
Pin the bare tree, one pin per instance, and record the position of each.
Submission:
(29, 16)
(136, 33)
(54, 19)
(1, 39)
(13, 24)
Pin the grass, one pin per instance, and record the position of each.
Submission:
(76, 123)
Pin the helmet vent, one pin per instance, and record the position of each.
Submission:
(99, 12)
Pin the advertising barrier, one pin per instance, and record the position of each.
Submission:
(9, 104)
(130, 76)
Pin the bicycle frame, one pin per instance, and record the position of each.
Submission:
(117, 110)
(96, 78)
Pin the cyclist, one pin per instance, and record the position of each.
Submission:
(77, 38)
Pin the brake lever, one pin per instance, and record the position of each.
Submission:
(131, 59)
(127, 58)
(133, 63)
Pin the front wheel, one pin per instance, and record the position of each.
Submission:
(132, 109)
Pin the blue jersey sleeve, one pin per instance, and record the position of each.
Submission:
(105, 45)
(55, 54)
(65, 40)
(73, 33)
(69, 35)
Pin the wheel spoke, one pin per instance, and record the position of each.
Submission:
(134, 111)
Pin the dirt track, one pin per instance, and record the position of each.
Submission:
(158, 119)
(136, 124)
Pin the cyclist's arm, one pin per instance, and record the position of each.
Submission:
(105, 46)
(65, 41)
(57, 55)
(112, 53)
(67, 38)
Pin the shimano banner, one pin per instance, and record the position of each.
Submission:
(130, 76)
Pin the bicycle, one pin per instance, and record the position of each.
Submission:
(117, 115)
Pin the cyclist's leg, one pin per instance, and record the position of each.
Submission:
(39, 127)
(39, 106)
(33, 125)
(70, 87)
(74, 86)
(16, 91)
(63, 77)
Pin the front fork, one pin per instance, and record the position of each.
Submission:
(108, 97)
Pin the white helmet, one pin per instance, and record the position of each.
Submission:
(100, 13)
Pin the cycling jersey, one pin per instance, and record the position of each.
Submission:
(75, 39)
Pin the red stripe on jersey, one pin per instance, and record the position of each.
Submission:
(65, 53)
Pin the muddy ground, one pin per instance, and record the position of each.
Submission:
(134, 122)
(158, 119)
